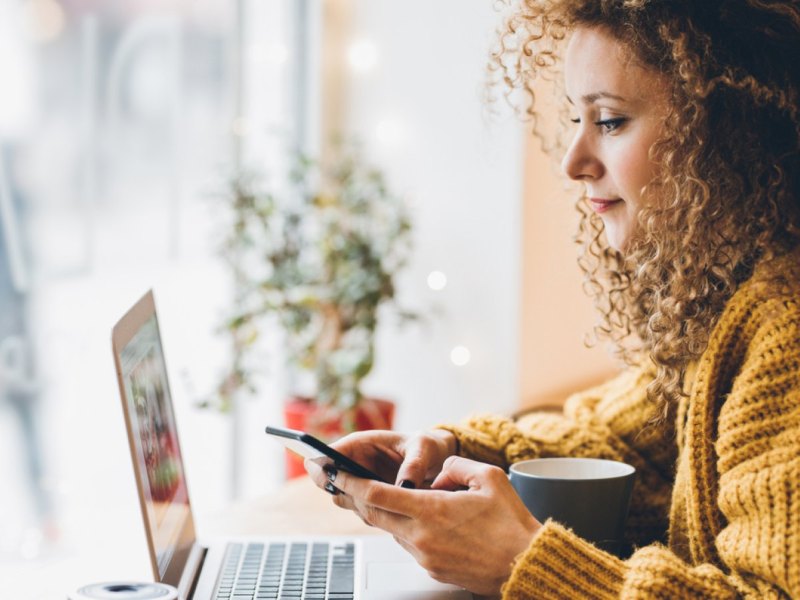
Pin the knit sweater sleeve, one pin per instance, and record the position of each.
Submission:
(610, 421)
(753, 550)
(560, 565)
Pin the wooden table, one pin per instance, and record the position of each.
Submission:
(298, 508)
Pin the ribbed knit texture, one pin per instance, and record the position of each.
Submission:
(727, 524)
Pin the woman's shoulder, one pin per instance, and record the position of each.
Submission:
(765, 309)
(773, 289)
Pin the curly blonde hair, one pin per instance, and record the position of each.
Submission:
(726, 194)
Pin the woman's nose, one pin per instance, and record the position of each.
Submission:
(580, 161)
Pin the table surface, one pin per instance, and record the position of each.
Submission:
(298, 508)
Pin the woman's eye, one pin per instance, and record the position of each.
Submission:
(575, 120)
(609, 125)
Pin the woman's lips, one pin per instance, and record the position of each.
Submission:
(601, 205)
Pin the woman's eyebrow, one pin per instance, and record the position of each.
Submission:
(595, 96)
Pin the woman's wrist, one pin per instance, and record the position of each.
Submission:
(448, 441)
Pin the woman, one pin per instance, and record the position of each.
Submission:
(685, 141)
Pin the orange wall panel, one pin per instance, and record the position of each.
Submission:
(556, 314)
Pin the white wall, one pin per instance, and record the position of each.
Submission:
(421, 114)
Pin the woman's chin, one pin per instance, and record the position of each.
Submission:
(618, 240)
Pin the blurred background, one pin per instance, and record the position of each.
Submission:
(120, 124)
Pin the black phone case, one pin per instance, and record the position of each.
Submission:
(340, 461)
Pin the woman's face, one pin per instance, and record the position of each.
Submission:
(619, 112)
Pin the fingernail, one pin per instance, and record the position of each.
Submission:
(331, 489)
(408, 484)
(331, 472)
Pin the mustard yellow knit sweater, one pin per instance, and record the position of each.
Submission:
(716, 507)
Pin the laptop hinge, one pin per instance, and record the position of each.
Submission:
(191, 572)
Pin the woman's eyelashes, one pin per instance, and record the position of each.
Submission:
(606, 125)
(609, 125)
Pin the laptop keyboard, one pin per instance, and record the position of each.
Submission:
(288, 571)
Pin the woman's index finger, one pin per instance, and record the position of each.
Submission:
(381, 495)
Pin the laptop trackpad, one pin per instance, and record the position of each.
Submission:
(383, 578)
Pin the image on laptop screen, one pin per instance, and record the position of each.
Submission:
(155, 440)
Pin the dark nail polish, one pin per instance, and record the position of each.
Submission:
(408, 484)
(331, 489)
(331, 472)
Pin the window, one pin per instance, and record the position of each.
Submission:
(119, 124)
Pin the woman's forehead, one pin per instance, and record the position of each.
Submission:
(598, 66)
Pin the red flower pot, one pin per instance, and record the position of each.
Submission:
(327, 423)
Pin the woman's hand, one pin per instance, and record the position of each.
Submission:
(396, 457)
(468, 537)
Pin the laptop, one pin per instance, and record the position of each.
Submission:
(324, 568)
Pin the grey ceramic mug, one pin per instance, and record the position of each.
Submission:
(589, 495)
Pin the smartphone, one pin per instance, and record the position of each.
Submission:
(307, 446)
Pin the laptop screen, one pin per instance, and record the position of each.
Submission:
(154, 441)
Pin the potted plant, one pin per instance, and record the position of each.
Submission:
(321, 255)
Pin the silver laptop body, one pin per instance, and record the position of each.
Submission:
(382, 569)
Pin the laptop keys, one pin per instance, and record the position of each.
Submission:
(280, 571)
(271, 575)
(342, 572)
